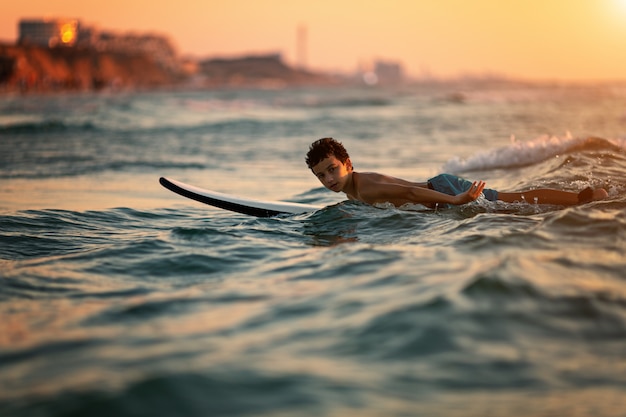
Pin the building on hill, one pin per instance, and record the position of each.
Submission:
(158, 47)
(248, 67)
(389, 72)
(258, 71)
(48, 32)
(54, 33)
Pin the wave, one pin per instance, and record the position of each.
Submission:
(72, 167)
(349, 102)
(44, 126)
(240, 124)
(234, 390)
(304, 101)
(520, 154)
(33, 234)
(252, 120)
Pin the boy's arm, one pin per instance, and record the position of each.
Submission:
(379, 192)
(472, 193)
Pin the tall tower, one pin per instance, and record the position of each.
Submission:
(301, 46)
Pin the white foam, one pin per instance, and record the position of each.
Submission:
(528, 153)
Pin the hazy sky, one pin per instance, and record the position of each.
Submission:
(534, 39)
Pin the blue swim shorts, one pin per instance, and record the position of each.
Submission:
(453, 185)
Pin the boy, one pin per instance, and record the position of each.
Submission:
(330, 163)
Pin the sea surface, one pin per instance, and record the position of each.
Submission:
(120, 298)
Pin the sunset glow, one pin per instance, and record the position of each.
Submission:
(534, 39)
(621, 5)
(68, 33)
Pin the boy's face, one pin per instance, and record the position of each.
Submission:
(333, 173)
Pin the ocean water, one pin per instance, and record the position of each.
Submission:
(118, 297)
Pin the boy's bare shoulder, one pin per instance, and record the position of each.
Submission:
(373, 177)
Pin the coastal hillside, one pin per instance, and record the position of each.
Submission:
(30, 68)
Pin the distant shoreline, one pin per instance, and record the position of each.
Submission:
(37, 69)
(30, 69)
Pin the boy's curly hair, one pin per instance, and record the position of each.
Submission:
(324, 148)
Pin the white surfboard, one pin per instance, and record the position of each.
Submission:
(248, 206)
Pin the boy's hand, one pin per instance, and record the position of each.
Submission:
(471, 194)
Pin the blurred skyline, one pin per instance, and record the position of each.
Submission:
(562, 40)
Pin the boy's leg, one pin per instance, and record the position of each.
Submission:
(540, 196)
(453, 185)
(557, 197)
